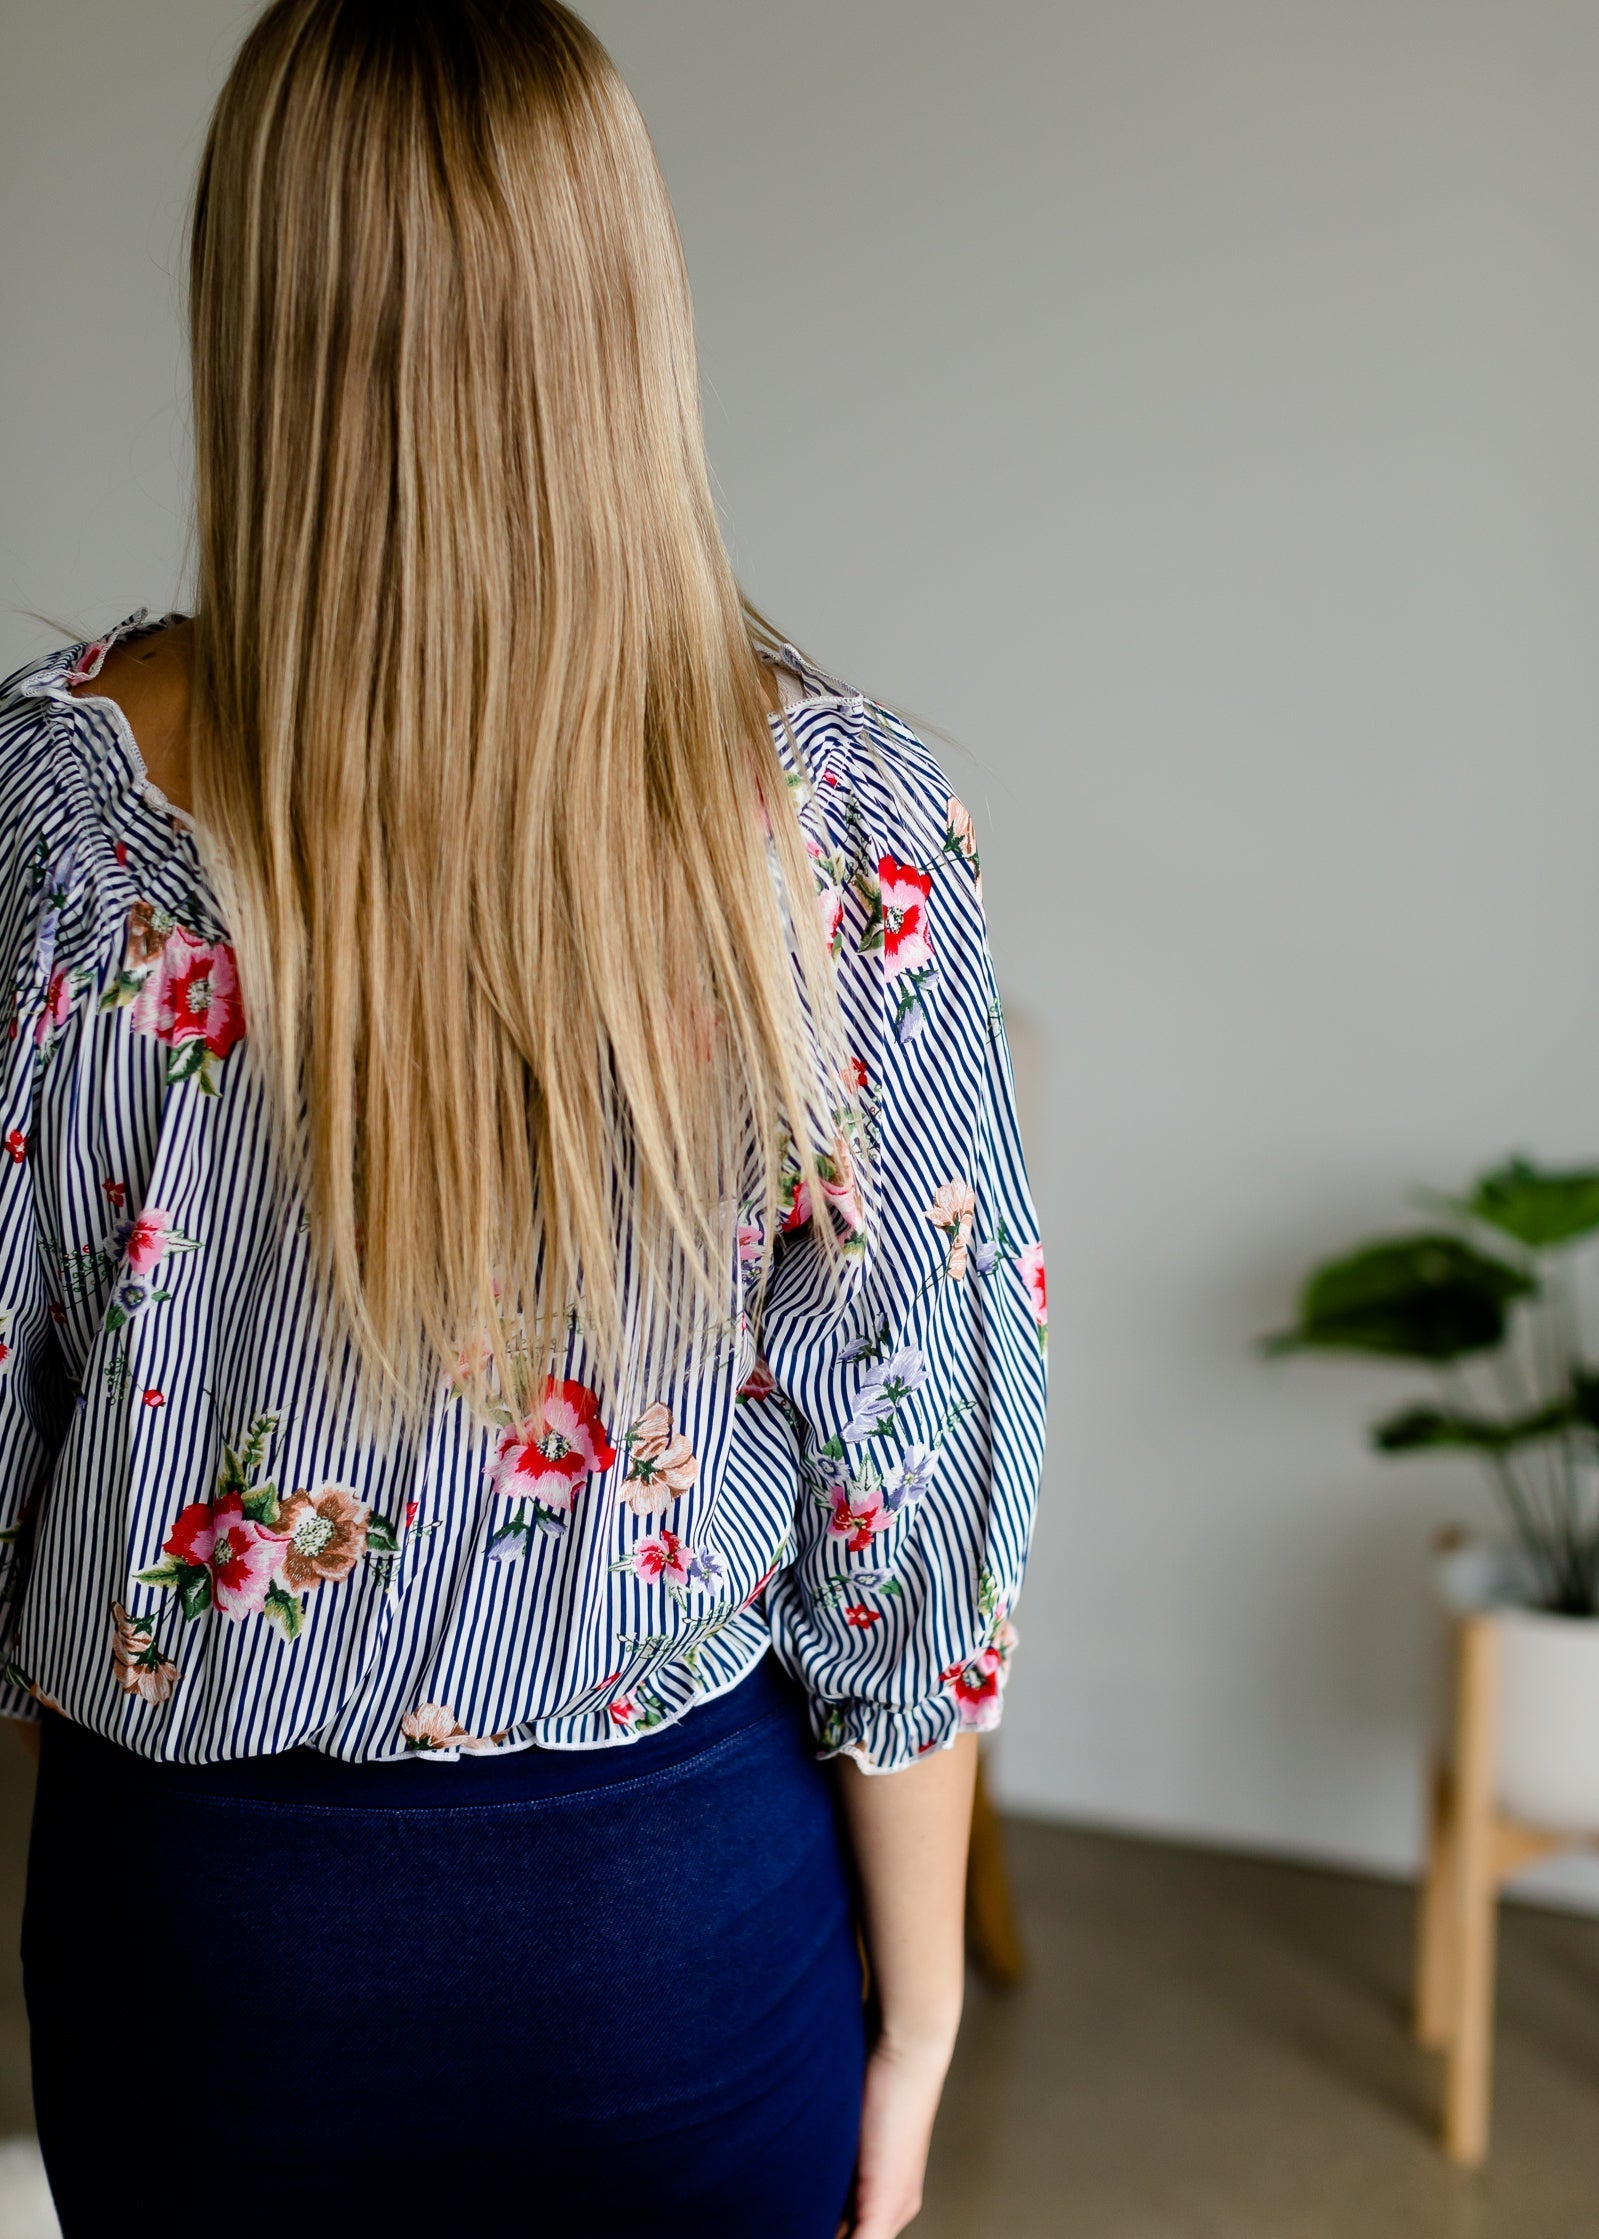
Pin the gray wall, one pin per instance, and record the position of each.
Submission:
(1191, 410)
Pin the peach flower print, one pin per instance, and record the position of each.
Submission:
(435, 1726)
(661, 1463)
(951, 1212)
(140, 1667)
(961, 839)
(327, 1537)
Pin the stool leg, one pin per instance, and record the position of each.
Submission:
(1470, 2053)
(990, 1915)
(1434, 1928)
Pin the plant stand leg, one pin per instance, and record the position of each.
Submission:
(1434, 1926)
(1470, 2050)
(990, 1915)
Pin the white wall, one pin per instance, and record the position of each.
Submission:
(1191, 409)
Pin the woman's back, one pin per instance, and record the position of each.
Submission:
(228, 1562)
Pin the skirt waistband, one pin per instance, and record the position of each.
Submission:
(308, 1776)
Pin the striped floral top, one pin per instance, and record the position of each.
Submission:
(201, 1560)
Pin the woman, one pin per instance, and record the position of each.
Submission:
(512, 1211)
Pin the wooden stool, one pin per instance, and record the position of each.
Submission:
(1474, 1848)
(991, 1935)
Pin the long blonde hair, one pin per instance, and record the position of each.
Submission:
(480, 734)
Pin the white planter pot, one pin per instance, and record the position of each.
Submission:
(1548, 1753)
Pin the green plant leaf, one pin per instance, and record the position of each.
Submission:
(286, 1611)
(261, 1430)
(1539, 1209)
(1427, 1297)
(1416, 1429)
(261, 1505)
(194, 1590)
(165, 1574)
(185, 1062)
(381, 1536)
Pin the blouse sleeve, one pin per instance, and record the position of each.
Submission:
(43, 989)
(916, 1389)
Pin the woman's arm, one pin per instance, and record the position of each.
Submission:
(909, 1832)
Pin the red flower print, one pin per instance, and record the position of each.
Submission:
(120, 851)
(907, 942)
(861, 1618)
(88, 663)
(5, 1352)
(200, 990)
(622, 1710)
(979, 1682)
(547, 1457)
(184, 992)
(760, 1383)
(798, 1208)
(759, 1587)
(153, 1398)
(856, 1518)
(17, 1145)
(855, 1073)
(116, 1192)
(413, 1509)
(57, 1006)
(243, 1557)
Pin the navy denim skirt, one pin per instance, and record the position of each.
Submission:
(614, 1993)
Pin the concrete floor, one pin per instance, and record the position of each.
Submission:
(1207, 2047)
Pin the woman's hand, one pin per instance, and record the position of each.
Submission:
(908, 1831)
(901, 2098)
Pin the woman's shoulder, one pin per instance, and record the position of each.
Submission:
(79, 816)
(867, 786)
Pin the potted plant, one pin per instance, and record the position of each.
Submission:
(1490, 1304)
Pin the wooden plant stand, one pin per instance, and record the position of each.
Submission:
(1474, 1848)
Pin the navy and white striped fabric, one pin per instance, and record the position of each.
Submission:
(202, 1559)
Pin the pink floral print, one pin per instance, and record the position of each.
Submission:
(59, 997)
(240, 1556)
(149, 1239)
(184, 992)
(978, 1682)
(1030, 1266)
(246, 1553)
(828, 869)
